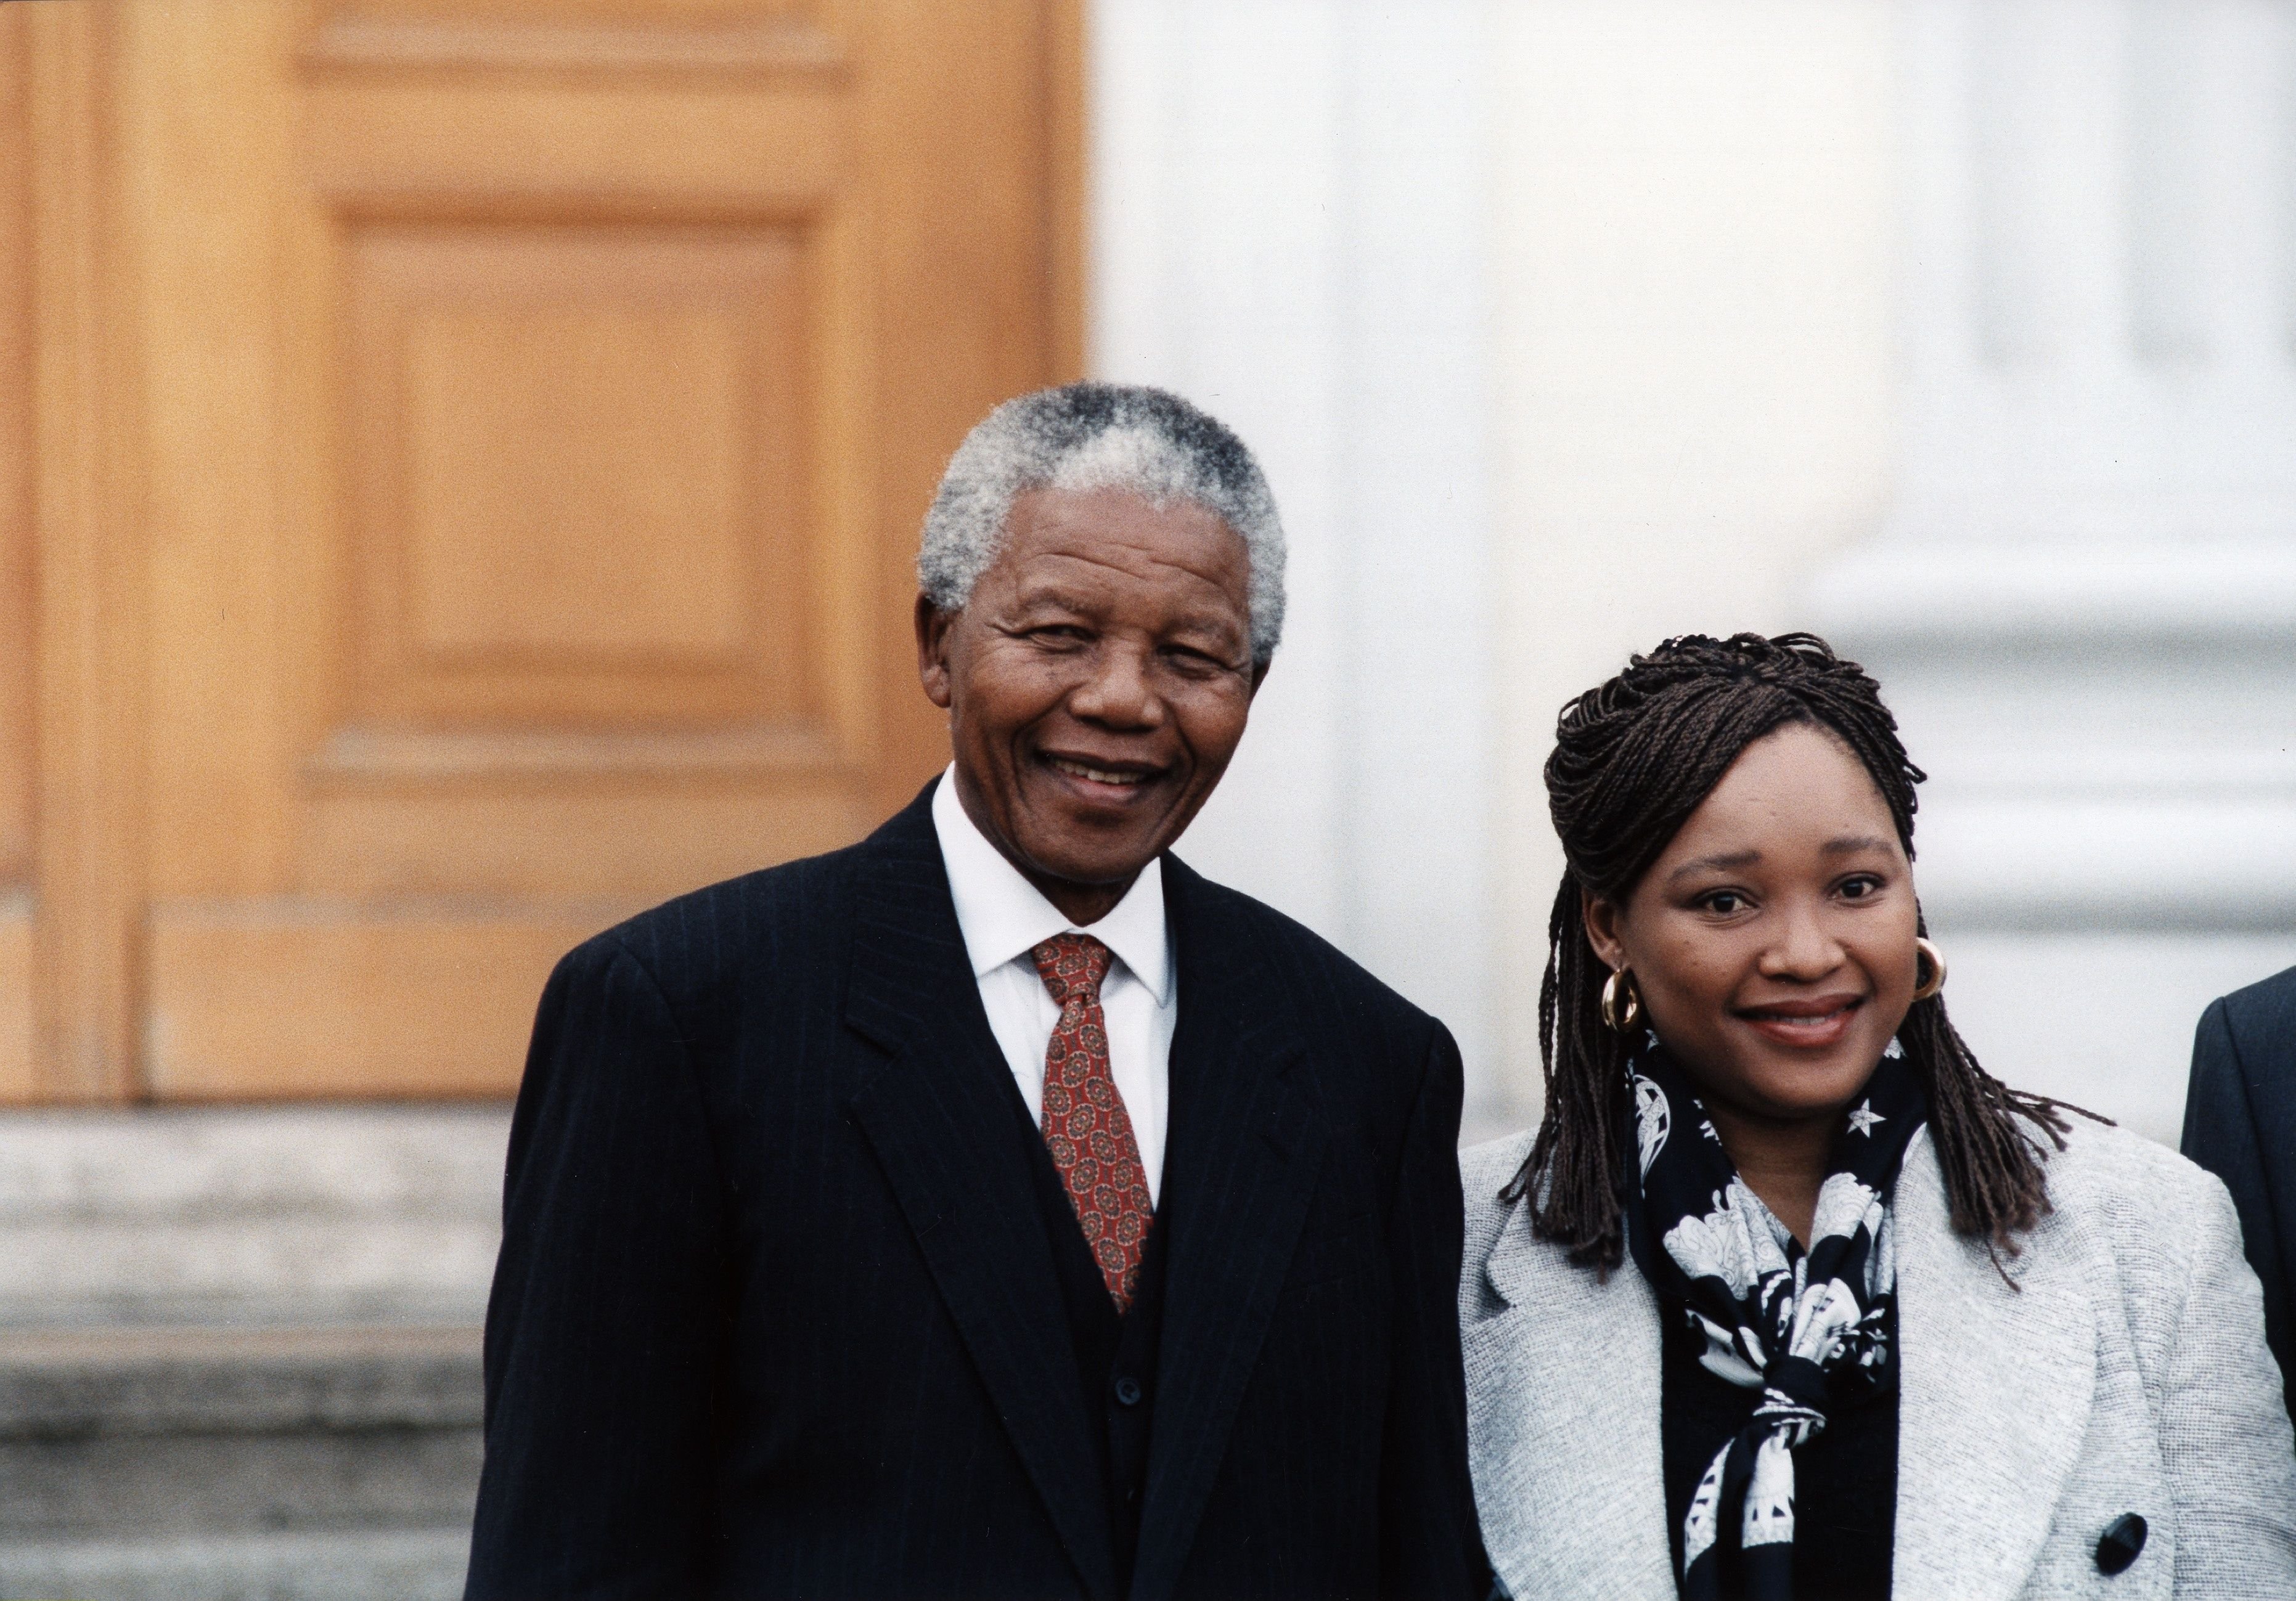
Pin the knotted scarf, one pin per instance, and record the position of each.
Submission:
(1808, 1328)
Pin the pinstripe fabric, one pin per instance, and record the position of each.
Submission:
(777, 1315)
(2240, 1124)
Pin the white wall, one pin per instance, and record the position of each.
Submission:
(1287, 228)
(1964, 331)
(1694, 210)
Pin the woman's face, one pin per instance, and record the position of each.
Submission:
(1773, 941)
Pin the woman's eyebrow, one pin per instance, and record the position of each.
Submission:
(1723, 861)
(1850, 843)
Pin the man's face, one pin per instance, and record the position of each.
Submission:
(1097, 683)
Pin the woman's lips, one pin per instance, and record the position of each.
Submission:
(1802, 1025)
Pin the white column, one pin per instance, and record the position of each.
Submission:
(2083, 606)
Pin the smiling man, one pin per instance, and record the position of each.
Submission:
(998, 1208)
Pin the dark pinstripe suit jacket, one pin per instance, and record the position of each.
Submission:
(2240, 1124)
(777, 1313)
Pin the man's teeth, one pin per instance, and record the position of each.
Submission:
(1097, 775)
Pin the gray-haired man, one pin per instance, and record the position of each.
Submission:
(998, 1208)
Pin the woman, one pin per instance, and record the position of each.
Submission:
(1788, 1298)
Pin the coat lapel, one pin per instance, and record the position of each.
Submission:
(939, 1115)
(1996, 1391)
(1240, 1168)
(1996, 1388)
(1569, 1476)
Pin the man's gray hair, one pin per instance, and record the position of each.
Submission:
(1097, 436)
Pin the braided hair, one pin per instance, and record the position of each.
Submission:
(1633, 759)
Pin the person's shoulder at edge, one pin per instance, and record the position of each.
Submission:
(2269, 1004)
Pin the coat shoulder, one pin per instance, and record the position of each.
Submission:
(1487, 1169)
(696, 941)
(2162, 1220)
(2125, 1178)
(1484, 1170)
(1319, 972)
(2274, 996)
(2261, 1018)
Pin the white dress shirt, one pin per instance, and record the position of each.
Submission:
(1002, 917)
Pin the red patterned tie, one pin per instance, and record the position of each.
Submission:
(1087, 1127)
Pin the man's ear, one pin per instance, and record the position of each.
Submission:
(933, 626)
(1601, 915)
(1259, 675)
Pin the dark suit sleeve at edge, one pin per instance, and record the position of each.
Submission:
(606, 1332)
(1429, 1543)
(2220, 1134)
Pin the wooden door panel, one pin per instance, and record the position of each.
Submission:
(281, 1000)
(17, 238)
(537, 400)
(707, 35)
(580, 463)
(19, 1076)
(614, 842)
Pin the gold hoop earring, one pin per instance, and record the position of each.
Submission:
(1923, 988)
(1622, 1004)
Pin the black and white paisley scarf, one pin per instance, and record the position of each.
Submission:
(1805, 1328)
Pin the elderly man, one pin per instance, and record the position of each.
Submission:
(996, 1208)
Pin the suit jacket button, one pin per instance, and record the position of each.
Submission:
(2121, 1543)
(1127, 1394)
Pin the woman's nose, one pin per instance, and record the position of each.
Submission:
(1804, 949)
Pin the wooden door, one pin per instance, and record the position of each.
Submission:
(477, 459)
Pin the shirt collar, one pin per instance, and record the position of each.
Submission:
(1002, 915)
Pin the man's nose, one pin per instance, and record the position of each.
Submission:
(1118, 691)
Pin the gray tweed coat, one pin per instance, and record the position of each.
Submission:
(2127, 1373)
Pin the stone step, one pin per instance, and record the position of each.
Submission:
(259, 1462)
(87, 1382)
(394, 1565)
(239, 1349)
(290, 1214)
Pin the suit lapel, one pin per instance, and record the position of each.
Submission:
(1241, 1164)
(939, 1116)
(1996, 1391)
(1569, 1476)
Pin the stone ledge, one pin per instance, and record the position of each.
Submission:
(413, 1565)
(259, 1269)
(71, 1383)
(1935, 597)
(239, 1163)
(249, 1214)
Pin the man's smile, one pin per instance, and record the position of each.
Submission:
(1101, 781)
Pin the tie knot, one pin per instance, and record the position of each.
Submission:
(1072, 966)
